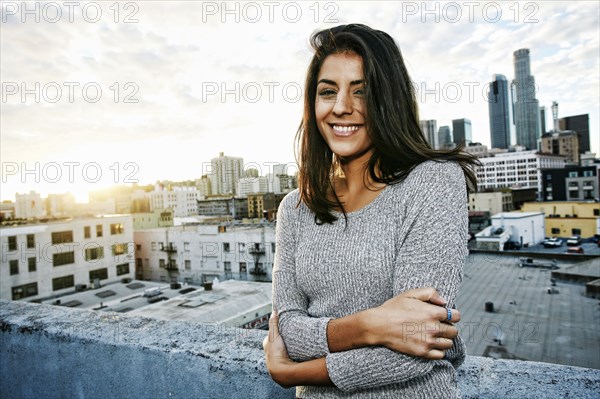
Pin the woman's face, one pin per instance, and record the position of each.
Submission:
(340, 105)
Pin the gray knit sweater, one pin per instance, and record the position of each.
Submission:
(413, 234)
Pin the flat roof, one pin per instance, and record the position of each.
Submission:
(112, 296)
(227, 300)
(561, 327)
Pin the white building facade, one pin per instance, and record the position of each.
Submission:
(194, 254)
(252, 185)
(29, 206)
(183, 200)
(44, 260)
(522, 227)
(516, 169)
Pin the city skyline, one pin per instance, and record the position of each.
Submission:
(204, 86)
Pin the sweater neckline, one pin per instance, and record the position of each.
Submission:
(367, 206)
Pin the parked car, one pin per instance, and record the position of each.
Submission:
(574, 241)
(574, 250)
(552, 242)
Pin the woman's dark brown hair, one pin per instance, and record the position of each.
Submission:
(392, 119)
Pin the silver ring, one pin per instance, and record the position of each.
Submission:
(449, 317)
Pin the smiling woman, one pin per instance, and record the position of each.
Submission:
(364, 304)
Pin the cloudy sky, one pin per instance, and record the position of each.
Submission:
(96, 93)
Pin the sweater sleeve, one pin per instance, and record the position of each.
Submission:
(305, 337)
(431, 252)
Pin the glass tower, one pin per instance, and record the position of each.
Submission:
(526, 106)
(499, 109)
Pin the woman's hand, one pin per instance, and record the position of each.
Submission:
(414, 323)
(276, 355)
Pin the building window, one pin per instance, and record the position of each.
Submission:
(14, 267)
(63, 258)
(596, 212)
(123, 268)
(24, 291)
(572, 174)
(153, 246)
(30, 241)
(225, 247)
(188, 264)
(12, 243)
(243, 267)
(555, 231)
(60, 283)
(161, 263)
(588, 173)
(119, 249)
(273, 247)
(227, 266)
(576, 232)
(32, 263)
(94, 253)
(100, 274)
(87, 232)
(241, 246)
(60, 237)
(116, 228)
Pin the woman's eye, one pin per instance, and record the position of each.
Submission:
(360, 92)
(327, 93)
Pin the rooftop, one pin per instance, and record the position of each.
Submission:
(527, 322)
(231, 302)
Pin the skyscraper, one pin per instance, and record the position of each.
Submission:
(429, 129)
(462, 131)
(444, 137)
(526, 106)
(499, 109)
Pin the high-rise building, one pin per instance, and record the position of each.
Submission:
(429, 129)
(526, 106)
(444, 137)
(499, 109)
(462, 131)
(225, 173)
(581, 125)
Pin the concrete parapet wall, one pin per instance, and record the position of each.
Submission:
(55, 352)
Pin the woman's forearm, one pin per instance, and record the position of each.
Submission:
(349, 332)
(311, 372)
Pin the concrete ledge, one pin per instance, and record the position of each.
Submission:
(55, 352)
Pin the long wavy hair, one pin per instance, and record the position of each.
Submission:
(392, 120)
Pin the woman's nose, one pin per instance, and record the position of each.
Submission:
(343, 104)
